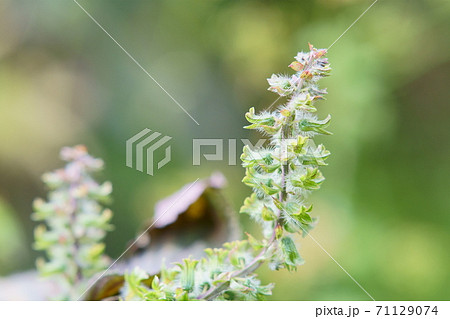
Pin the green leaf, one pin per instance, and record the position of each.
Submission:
(263, 121)
(290, 227)
(291, 256)
(298, 145)
(251, 205)
(268, 214)
(311, 180)
(271, 130)
(277, 203)
(270, 187)
(187, 275)
(304, 218)
(315, 157)
(258, 120)
(318, 126)
(254, 243)
(291, 207)
(155, 283)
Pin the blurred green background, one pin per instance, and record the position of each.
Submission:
(384, 209)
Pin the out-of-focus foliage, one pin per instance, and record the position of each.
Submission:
(384, 209)
(74, 224)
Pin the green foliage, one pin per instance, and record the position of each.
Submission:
(281, 176)
(222, 275)
(75, 223)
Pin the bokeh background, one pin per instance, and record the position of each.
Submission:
(384, 209)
